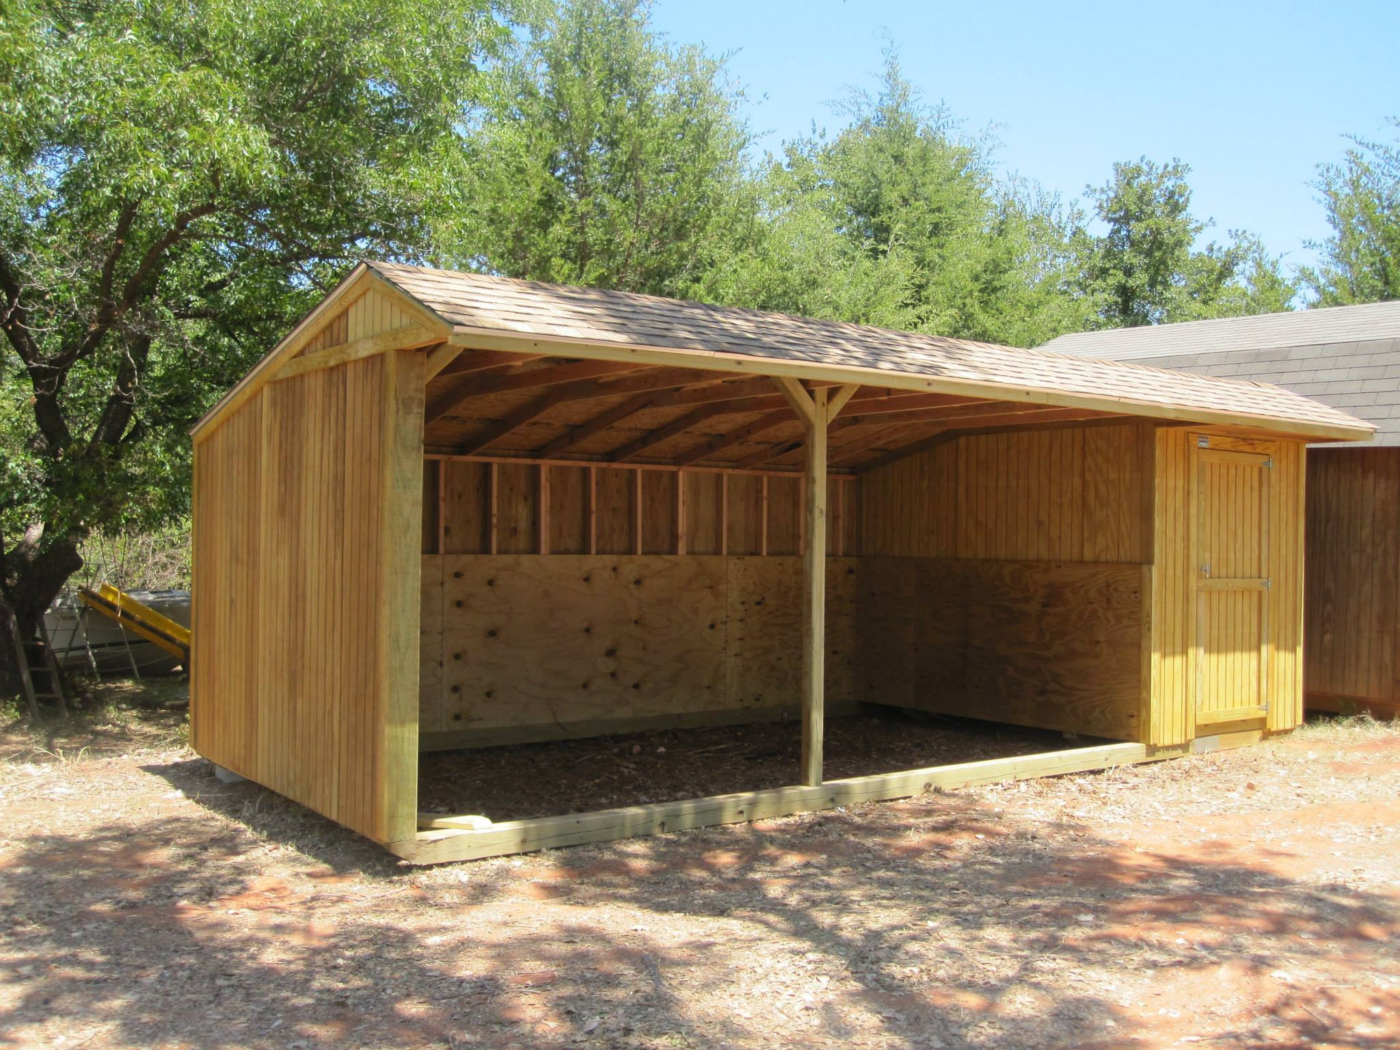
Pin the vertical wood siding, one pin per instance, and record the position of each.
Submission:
(306, 593)
(1176, 659)
(1080, 494)
(1352, 639)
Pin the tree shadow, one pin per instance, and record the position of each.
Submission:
(930, 923)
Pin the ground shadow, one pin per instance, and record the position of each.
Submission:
(927, 923)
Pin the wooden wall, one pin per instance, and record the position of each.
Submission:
(1056, 645)
(1077, 494)
(1003, 579)
(1353, 576)
(305, 665)
(519, 647)
(480, 507)
(1174, 643)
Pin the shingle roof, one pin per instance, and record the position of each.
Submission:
(1345, 356)
(503, 306)
(1296, 328)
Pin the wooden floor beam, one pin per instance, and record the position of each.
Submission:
(524, 836)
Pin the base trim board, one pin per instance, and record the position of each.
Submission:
(1351, 705)
(527, 836)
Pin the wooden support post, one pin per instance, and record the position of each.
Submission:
(395, 725)
(814, 593)
(802, 516)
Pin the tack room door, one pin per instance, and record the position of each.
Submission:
(1232, 585)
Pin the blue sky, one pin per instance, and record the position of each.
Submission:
(1252, 96)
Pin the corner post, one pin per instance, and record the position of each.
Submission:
(395, 772)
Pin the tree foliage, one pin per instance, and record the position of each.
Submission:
(1361, 259)
(604, 157)
(1146, 269)
(899, 220)
(178, 181)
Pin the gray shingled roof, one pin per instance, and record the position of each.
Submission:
(1345, 356)
(475, 304)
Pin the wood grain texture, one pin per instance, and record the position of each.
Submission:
(1072, 494)
(1352, 635)
(297, 683)
(1046, 644)
(573, 640)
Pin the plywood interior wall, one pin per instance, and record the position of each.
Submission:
(1002, 577)
(1353, 576)
(521, 647)
(1056, 645)
(296, 678)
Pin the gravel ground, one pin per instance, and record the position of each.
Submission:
(1244, 899)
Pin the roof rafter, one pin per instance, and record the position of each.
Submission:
(718, 444)
(554, 375)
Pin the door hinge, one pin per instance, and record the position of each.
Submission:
(1268, 584)
(1203, 441)
(1269, 463)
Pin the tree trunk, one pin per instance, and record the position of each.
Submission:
(33, 579)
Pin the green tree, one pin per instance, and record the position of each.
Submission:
(900, 220)
(178, 182)
(605, 157)
(1146, 268)
(1360, 261)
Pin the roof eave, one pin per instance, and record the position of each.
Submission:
(497, 339)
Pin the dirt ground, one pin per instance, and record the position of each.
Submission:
(1243, 899)
(576, 776)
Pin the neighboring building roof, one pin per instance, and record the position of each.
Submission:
(496, 312)
(1345, 356)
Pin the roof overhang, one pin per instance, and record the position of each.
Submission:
(640, 353)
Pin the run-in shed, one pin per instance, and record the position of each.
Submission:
(451, 510)
(1347, 357)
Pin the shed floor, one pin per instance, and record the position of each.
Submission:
(577, 776)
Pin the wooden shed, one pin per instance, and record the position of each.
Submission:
(452, 510)
(1348, 357)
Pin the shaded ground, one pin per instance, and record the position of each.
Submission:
(575, 776)
(1245, 899)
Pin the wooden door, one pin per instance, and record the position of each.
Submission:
(1232, 585)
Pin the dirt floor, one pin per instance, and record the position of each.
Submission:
(1244, 899)
(575, 776)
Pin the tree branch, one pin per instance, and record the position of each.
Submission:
(110, 312)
